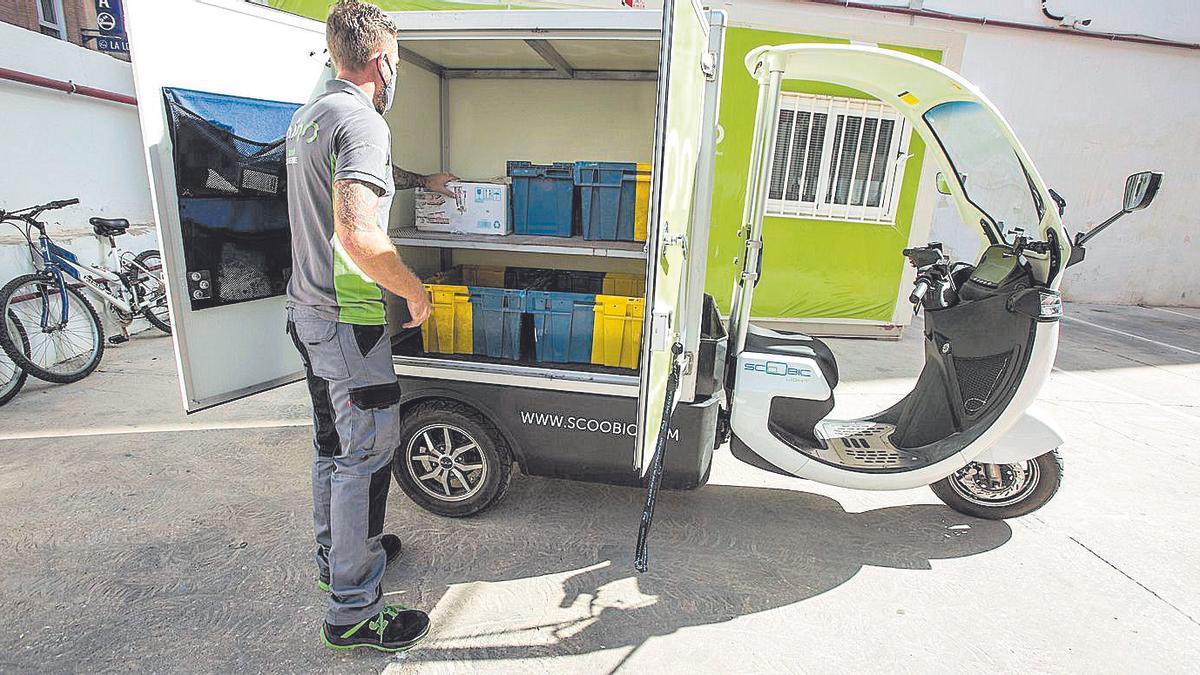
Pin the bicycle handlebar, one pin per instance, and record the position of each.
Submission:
(32, 211)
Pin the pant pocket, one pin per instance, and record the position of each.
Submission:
(366, 337)
(319, 338)
(376, 416)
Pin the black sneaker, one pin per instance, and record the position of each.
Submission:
(394, 629)
(391, 546)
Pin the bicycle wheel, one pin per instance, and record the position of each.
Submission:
(152, 289)
(59, 351)
(12, 376)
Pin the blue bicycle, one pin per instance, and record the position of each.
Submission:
(52, 330)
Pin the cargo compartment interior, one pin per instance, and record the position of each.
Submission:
(566, 307)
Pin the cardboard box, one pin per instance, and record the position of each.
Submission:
(477, 208)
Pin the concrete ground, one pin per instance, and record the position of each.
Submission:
(139, 539)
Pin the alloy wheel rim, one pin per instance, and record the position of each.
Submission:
(1016, 483)
(446, 462)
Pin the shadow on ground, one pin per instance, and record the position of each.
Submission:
(191, 552)
(716, 554)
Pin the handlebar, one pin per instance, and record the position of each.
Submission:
(30, 212)
(919, 292)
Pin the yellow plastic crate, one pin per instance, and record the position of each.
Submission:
(617, 331)
(623, 283)
(641, 203)
(449, 329)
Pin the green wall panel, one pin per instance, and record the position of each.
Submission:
(811, 268)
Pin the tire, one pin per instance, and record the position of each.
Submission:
(12, 376)
(1045, 472)
(28, 310)
(432, 485)
(145, 260)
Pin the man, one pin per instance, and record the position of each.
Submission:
(340, 187)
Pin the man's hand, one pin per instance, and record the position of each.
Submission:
(436, 182)
(419, 308)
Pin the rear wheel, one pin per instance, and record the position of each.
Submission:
(151, 288)
(12, 376)
(59, 351)
(451, 461)
(1000, 491)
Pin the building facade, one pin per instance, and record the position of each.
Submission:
(75, 21)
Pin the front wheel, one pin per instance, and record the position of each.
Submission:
(451, 461)
(1001, 491)
(66, 338)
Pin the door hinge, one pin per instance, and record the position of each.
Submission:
(660, 329)
(679, 240)
(708, 65)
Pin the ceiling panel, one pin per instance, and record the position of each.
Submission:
(581, 54)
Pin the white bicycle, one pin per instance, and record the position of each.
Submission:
(52, 330)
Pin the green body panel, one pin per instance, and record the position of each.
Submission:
(811, 268)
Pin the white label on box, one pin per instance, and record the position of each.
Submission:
(477, 208)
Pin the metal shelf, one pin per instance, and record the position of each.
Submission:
(411, 236)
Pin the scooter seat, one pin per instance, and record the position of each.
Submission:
(109, 227)
(767, 341)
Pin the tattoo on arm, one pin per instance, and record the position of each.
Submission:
(355, 205)
(406, 179)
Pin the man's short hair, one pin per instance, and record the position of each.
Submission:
(355, 32)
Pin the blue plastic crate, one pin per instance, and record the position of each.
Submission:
(496, 319)
(607, 196)
(542, 198)
(562, 325)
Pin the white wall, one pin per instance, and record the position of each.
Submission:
(58, 145)
(1088, 111)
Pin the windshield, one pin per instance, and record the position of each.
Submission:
(987, 165)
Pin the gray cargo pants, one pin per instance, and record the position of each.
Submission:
(356, 424)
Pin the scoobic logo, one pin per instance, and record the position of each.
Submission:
(777, 368)
(307, 132)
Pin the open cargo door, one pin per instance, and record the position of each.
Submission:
(217, 82)
(685, 68)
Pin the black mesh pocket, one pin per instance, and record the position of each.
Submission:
(979, 379)
(229, 158)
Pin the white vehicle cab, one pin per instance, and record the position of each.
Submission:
(481, 87)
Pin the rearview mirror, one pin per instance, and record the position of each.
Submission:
(1140, 189)
(942, 186)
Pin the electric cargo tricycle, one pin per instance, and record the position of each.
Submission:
(482, 87)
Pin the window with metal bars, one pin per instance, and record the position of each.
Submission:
(837, 158)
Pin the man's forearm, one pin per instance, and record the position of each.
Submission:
(375, 255)
(405, 179)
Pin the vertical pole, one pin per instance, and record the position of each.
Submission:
(756, 197)
(751, 181)
(444, 127)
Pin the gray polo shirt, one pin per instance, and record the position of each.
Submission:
(338, 135)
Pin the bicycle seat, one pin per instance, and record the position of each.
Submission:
(109, 227)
